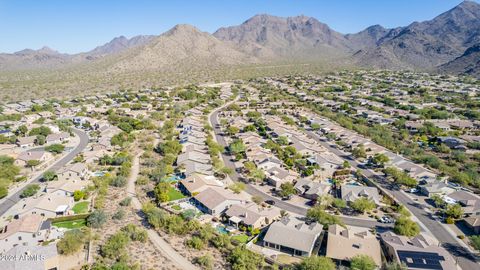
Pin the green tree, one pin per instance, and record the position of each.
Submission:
(237, 187)
(315, 126)
(405, 226)
(30, 190)
(232, 130)
(196, 243)
(96, 219)
(282, 140)
(359, 152)
(73, 241)
(3, 192)
(475, 241)
(161, 191)
(21, 131)
(438, 200)
(33, 163)
(380, 159)
(363, 205)
(318, 214)
(205, 261)
(242, 258)
(49, 175)
(237, 147)
(79, 195)
(317, 263)
(40, 140)
(362, 262)
(454, 211)
(115, 246)
(287, 189)
(135, 233)
(55, 148)
(42, 130)
(339, 203)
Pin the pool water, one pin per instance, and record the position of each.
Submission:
(353, 184)
(222, 229)
(98, 174)
(173, 178)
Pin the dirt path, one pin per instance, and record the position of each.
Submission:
(158, 241)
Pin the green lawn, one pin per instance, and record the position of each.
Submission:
(174, 194)
(242, 238)
(80, 208)
(176, 207)
(72, 224)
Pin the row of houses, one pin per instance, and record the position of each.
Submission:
(292, 235)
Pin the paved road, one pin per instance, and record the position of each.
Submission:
(253, 190)
(164, 247)
(465, 258)
(14, 198)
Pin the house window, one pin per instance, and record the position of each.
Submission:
(20, 238)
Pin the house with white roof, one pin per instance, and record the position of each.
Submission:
(73, 171)
(46, 205)
(251, 215)
(196, 183)
(351, 193)
(293, 236)
(215, 200)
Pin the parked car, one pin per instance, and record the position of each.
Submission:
(386, 219)
(271, 202)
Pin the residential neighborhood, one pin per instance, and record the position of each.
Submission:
(272, 169)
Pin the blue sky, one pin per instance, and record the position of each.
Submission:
(73, 26)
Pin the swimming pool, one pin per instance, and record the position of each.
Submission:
(222, 229)
(173, 178)
(99, 174)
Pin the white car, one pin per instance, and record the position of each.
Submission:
(386, 219)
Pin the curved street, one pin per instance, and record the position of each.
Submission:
(12, 199)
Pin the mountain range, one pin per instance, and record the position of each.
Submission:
(428, 45)
(448, 43)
